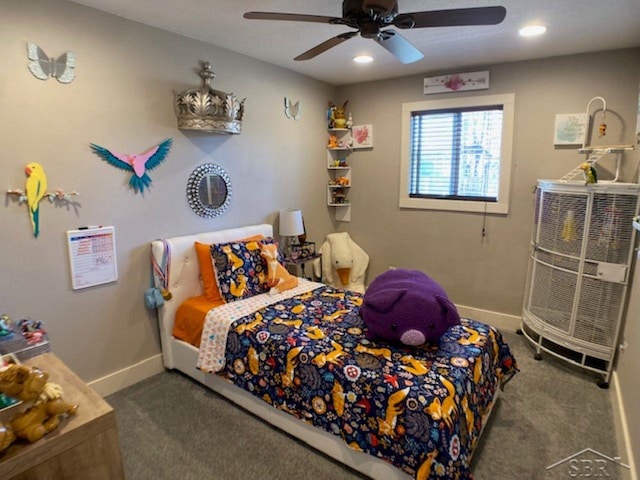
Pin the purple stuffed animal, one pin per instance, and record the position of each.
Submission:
(406, 306)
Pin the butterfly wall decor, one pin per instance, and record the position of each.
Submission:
(42, 66)
(292, 110)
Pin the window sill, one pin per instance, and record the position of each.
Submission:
(455, 205)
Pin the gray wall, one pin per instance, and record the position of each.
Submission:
(122, 98)
(627, 368)
(487, 274)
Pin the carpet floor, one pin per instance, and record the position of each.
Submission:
(171, 427)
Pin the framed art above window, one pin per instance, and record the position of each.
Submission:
(456, 154)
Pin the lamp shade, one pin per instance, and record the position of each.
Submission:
(291, 223)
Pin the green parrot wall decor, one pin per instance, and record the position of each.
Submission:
(35, 191)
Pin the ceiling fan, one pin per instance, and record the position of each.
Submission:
(369, 17)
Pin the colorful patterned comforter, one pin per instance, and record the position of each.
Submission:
(421, 409)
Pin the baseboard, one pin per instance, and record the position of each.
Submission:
(501, 321)
(127, 376)
(622, 431)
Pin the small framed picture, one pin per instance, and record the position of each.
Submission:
(362, 136)
(570, 129)
(303, 250)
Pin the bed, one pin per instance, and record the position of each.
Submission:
(300, 361)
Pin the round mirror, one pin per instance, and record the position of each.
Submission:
(209, 190)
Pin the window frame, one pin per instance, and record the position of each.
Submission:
(501, 206)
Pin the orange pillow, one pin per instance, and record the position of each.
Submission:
(207, 273)
(190, 318)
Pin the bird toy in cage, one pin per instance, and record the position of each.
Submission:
(602, 129)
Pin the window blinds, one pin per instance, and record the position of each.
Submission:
(455, 153)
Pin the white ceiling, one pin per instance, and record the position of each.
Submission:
(573, 26)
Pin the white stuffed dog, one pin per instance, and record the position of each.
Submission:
(344, 263)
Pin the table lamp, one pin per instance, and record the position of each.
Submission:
(290, 227)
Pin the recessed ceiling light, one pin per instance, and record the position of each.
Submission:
(363, 59)
(532, 30)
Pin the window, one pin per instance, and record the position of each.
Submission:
(456, 154)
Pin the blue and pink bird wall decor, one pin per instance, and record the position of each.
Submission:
(136, 164)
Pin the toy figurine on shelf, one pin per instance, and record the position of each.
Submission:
(345, 144)
(349, 121)
(339, 196)
(32, 330)
(333, 142)
(5, 326)
(24, 338)
(338, 117)
(330, 123)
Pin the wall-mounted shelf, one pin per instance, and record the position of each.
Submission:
(339, 170)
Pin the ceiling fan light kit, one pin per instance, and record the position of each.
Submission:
(532, 30)
(363, 59)
(370, 17)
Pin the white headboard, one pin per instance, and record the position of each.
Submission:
(184, 272)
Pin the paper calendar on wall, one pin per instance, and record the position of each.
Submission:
(92, 256)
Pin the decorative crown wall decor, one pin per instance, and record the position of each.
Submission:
(208, 110)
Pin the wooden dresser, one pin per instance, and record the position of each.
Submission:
(83, 447)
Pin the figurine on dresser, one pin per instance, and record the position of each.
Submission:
(42, 406)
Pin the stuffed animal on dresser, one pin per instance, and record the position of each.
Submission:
(278, 278)
(407, 307)
(344, 263)
(44, 416)
(22, 382)
(43, 402)
(6, 437)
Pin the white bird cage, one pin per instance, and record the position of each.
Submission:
(581, 253)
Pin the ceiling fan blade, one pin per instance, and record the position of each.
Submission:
(451, 18)
(324, 46)
(292, 17)
(399, 47)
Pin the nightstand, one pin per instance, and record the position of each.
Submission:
(297, 266)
